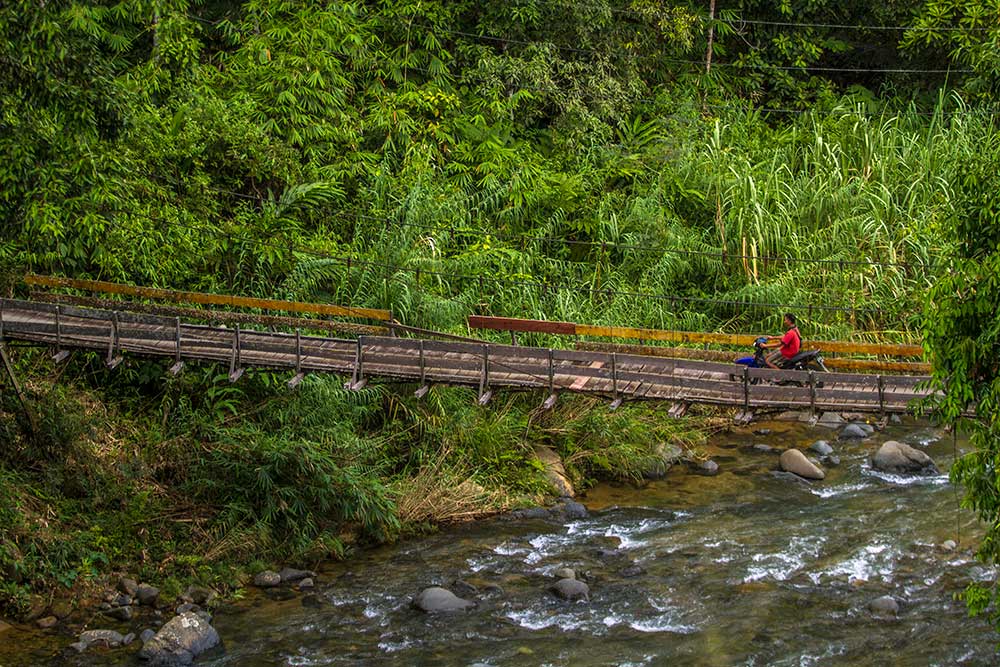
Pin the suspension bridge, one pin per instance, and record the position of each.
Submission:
(424, 360)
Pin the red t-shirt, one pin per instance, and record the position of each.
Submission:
(790, 343)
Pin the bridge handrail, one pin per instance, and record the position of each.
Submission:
(739, 340)
(204, 298)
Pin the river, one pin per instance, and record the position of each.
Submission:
(743, 568)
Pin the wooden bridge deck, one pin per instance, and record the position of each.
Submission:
(487, 367)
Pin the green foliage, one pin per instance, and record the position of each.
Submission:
(962, 332)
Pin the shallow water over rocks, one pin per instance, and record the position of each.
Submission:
(747, 567)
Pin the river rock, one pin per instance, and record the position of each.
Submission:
(464, 588)
(794, 461)
(555, 472)
(128, 586)
(821, 447)
(122, 600)
(830, 419)
(37, 606)
(121, 613)
(146, 635)
(884, 606)
(47, 622)
(855, 431)
(664, 456)
(61, 609)
(436, 599)
(899, 458)
(108, 638)
(147, 595)
(571, 589)
(128, 639)
(199, 595)
(633, 570)
(267, 579)
(564, 573)
(832, 460)
(949, 545)
(306, 584)
(709, 468)
(180, 641)
(764, 449)
(531, 513)
(290, 575)
(187, 607)
(571, 509)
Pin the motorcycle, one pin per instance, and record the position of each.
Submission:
(806, 360)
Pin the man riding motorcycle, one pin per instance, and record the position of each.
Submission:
(786, 346)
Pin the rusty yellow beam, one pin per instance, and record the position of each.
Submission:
(688, 337)
(743, 340)
(833, 363)
(203, 298)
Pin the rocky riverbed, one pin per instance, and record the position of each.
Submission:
(745, 562)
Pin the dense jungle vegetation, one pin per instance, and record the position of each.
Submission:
(664, 164)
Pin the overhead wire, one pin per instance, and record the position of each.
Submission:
(516, 239)
(481, 279)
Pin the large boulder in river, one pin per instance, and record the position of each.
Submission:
(794, 461)
(180, 641)
(571, 589)
(436, 599)
(555, 472)
(896, 457)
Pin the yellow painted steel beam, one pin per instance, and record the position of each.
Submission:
(690, 337)
(207, 299)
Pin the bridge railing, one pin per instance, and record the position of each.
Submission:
(518, 325)
(205, 298)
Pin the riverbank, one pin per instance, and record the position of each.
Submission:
(792, 569)
(192, 481)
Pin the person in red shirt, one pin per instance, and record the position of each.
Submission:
(786, 346)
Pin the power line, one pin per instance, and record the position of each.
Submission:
(814, 68)
(846, 26)
(545, 286)
(729, 17)
(611, 245)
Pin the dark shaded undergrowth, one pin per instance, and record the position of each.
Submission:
(195, 479)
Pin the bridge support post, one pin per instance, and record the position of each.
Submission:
(746, 389)
(358, 380)
(552, 397)
(178, 364)
(812, 392)
(881, 396)
(114, 358)
(235, 361)
(9, 367)
(616, 400)
(299, 374)
(61, 354)
(485, 393)
(424, 384)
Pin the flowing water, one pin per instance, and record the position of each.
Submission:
(744, 568)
